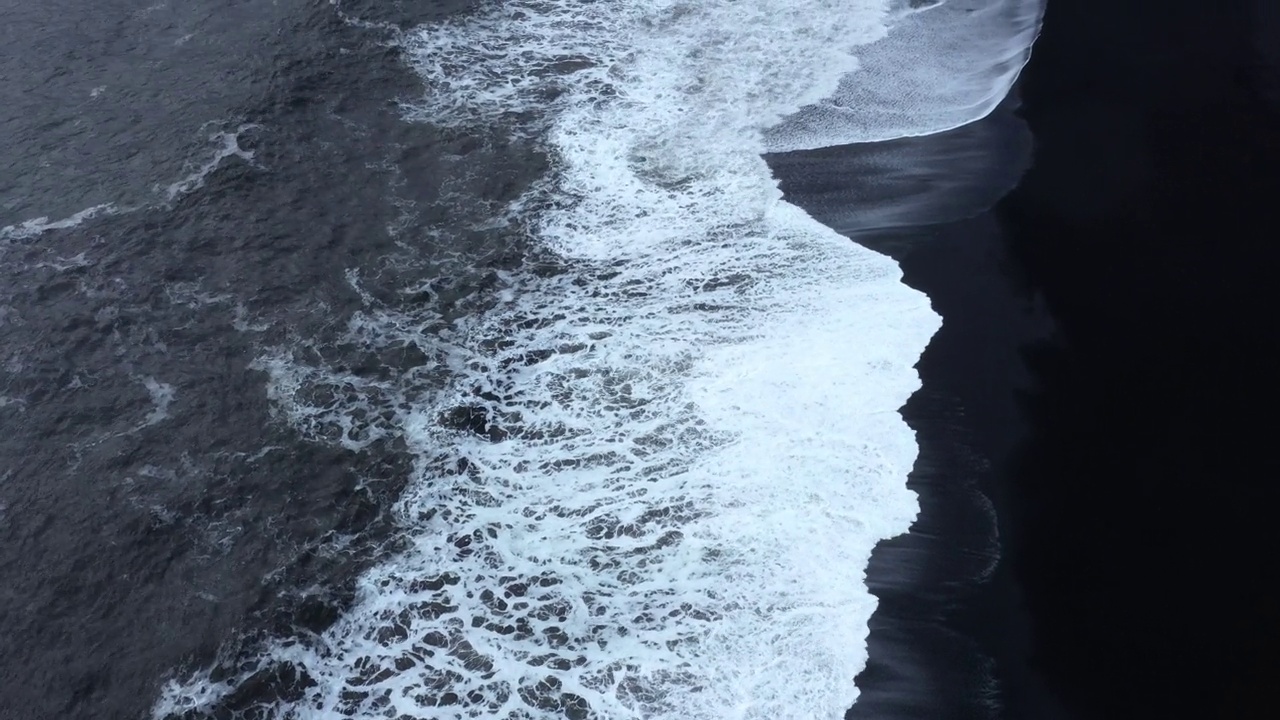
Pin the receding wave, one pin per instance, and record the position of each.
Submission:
(651, 472)
(945, 64)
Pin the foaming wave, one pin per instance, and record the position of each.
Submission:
(651, 479)
(945, 64)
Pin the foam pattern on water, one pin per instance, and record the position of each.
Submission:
(649, 481)
(943, 65)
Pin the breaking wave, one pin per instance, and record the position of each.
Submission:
(651, 472)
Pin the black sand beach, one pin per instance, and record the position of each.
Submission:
(1105, 375)
(1095, 463)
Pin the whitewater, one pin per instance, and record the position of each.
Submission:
(680, 438)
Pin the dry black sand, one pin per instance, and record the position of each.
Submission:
(1137, 515)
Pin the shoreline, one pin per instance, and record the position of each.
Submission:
(926, 203)
(1102, 375)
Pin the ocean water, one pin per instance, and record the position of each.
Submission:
(636, 414)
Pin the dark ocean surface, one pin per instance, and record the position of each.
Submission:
(153, 505)
(1098, 396)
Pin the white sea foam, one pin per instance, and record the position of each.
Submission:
(688, 441)
(38, 226)
(941, 67)
(229, 143)
(228, 147)
(162, 395)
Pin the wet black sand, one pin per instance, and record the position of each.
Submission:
(1105, 375)
(924, 201)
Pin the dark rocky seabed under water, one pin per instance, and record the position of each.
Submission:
(1103, 373)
